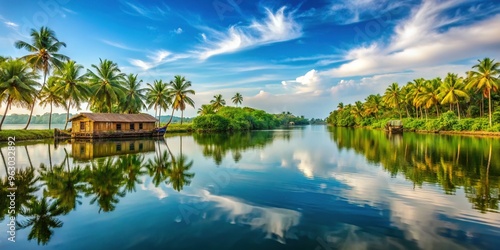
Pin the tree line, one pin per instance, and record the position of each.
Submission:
(65, 84)
(430, 98)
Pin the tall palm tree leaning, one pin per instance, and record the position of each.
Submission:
(17, 85)
(44, 47)
(157, 96)
(218, 102)
(72, 86)
(179, 93)
(49, 95)
(106, 85)
(485, 77)
(237, 99)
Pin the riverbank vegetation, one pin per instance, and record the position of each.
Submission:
(22, 135)
(451, 104)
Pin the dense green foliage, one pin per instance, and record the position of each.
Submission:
(452, 104)
(233, 119)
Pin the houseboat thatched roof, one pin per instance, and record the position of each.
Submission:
(111, 117)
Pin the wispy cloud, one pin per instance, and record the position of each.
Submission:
(119, 45)
(276, 27)
(353, 11)
(431, 36)
(154, 12)
(178, 31)
(157, 58)
(9, 23)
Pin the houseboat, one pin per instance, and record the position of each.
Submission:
(394, 127)
(110, 125)
(84, 150)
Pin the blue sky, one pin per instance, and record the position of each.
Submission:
(299, 56)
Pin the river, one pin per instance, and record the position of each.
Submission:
(312, 187)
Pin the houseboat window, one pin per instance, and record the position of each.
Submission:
(131, 147)
(82, 149)
(132, 126)
(118, 147)
(118, 126)
(82, 126)
(140, 125)
(140, 146)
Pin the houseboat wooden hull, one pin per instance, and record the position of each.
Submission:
(394, 127)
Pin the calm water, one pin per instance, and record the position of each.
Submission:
(308, 188)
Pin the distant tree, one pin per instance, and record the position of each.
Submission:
(237, 99)
(218, 102)
(206, 110)
(17, 85)
(44, 47)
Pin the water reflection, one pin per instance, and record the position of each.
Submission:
(453, 162)
(102, 171)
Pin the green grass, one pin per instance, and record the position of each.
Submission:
(178, 128)
(21, 135)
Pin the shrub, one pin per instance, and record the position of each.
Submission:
(210, 123)
(464, 125)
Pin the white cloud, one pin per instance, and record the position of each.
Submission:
(277, 27)
(353, 11)
(204, 37)
(429, 37)
(178, 31)
(309, 83)
(11, 24)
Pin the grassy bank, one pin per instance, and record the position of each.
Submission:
(22, 135)
(179, 128)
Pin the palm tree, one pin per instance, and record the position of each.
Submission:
(49, 95)
(106, 85)
(17, 85)
(157, 96)
(340, 106)
(392, 97)
(415, 89)
(373, 105)
(218, 102)
(430, 94)
(41, 214)
(133, 101)
(133, 170)
(357, 110)
(485, 78)
(206, 110)
(451, 90)
(72, 86)
(237, 99)
(44, 47)
(179, 94)
(159, 167)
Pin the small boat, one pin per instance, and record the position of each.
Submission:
(160, 131)
(394, 127)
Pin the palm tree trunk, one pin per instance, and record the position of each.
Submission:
(407, 112)
(4, 163)
(50, 116)
(67, 115)
(9, 101)
(437, 110)
(50, 156)
(172, 115)
(489, 106)
(182, 115)
(34, 99)
(426, 113)
(458, 110)
(159, 118)
(482, 105)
